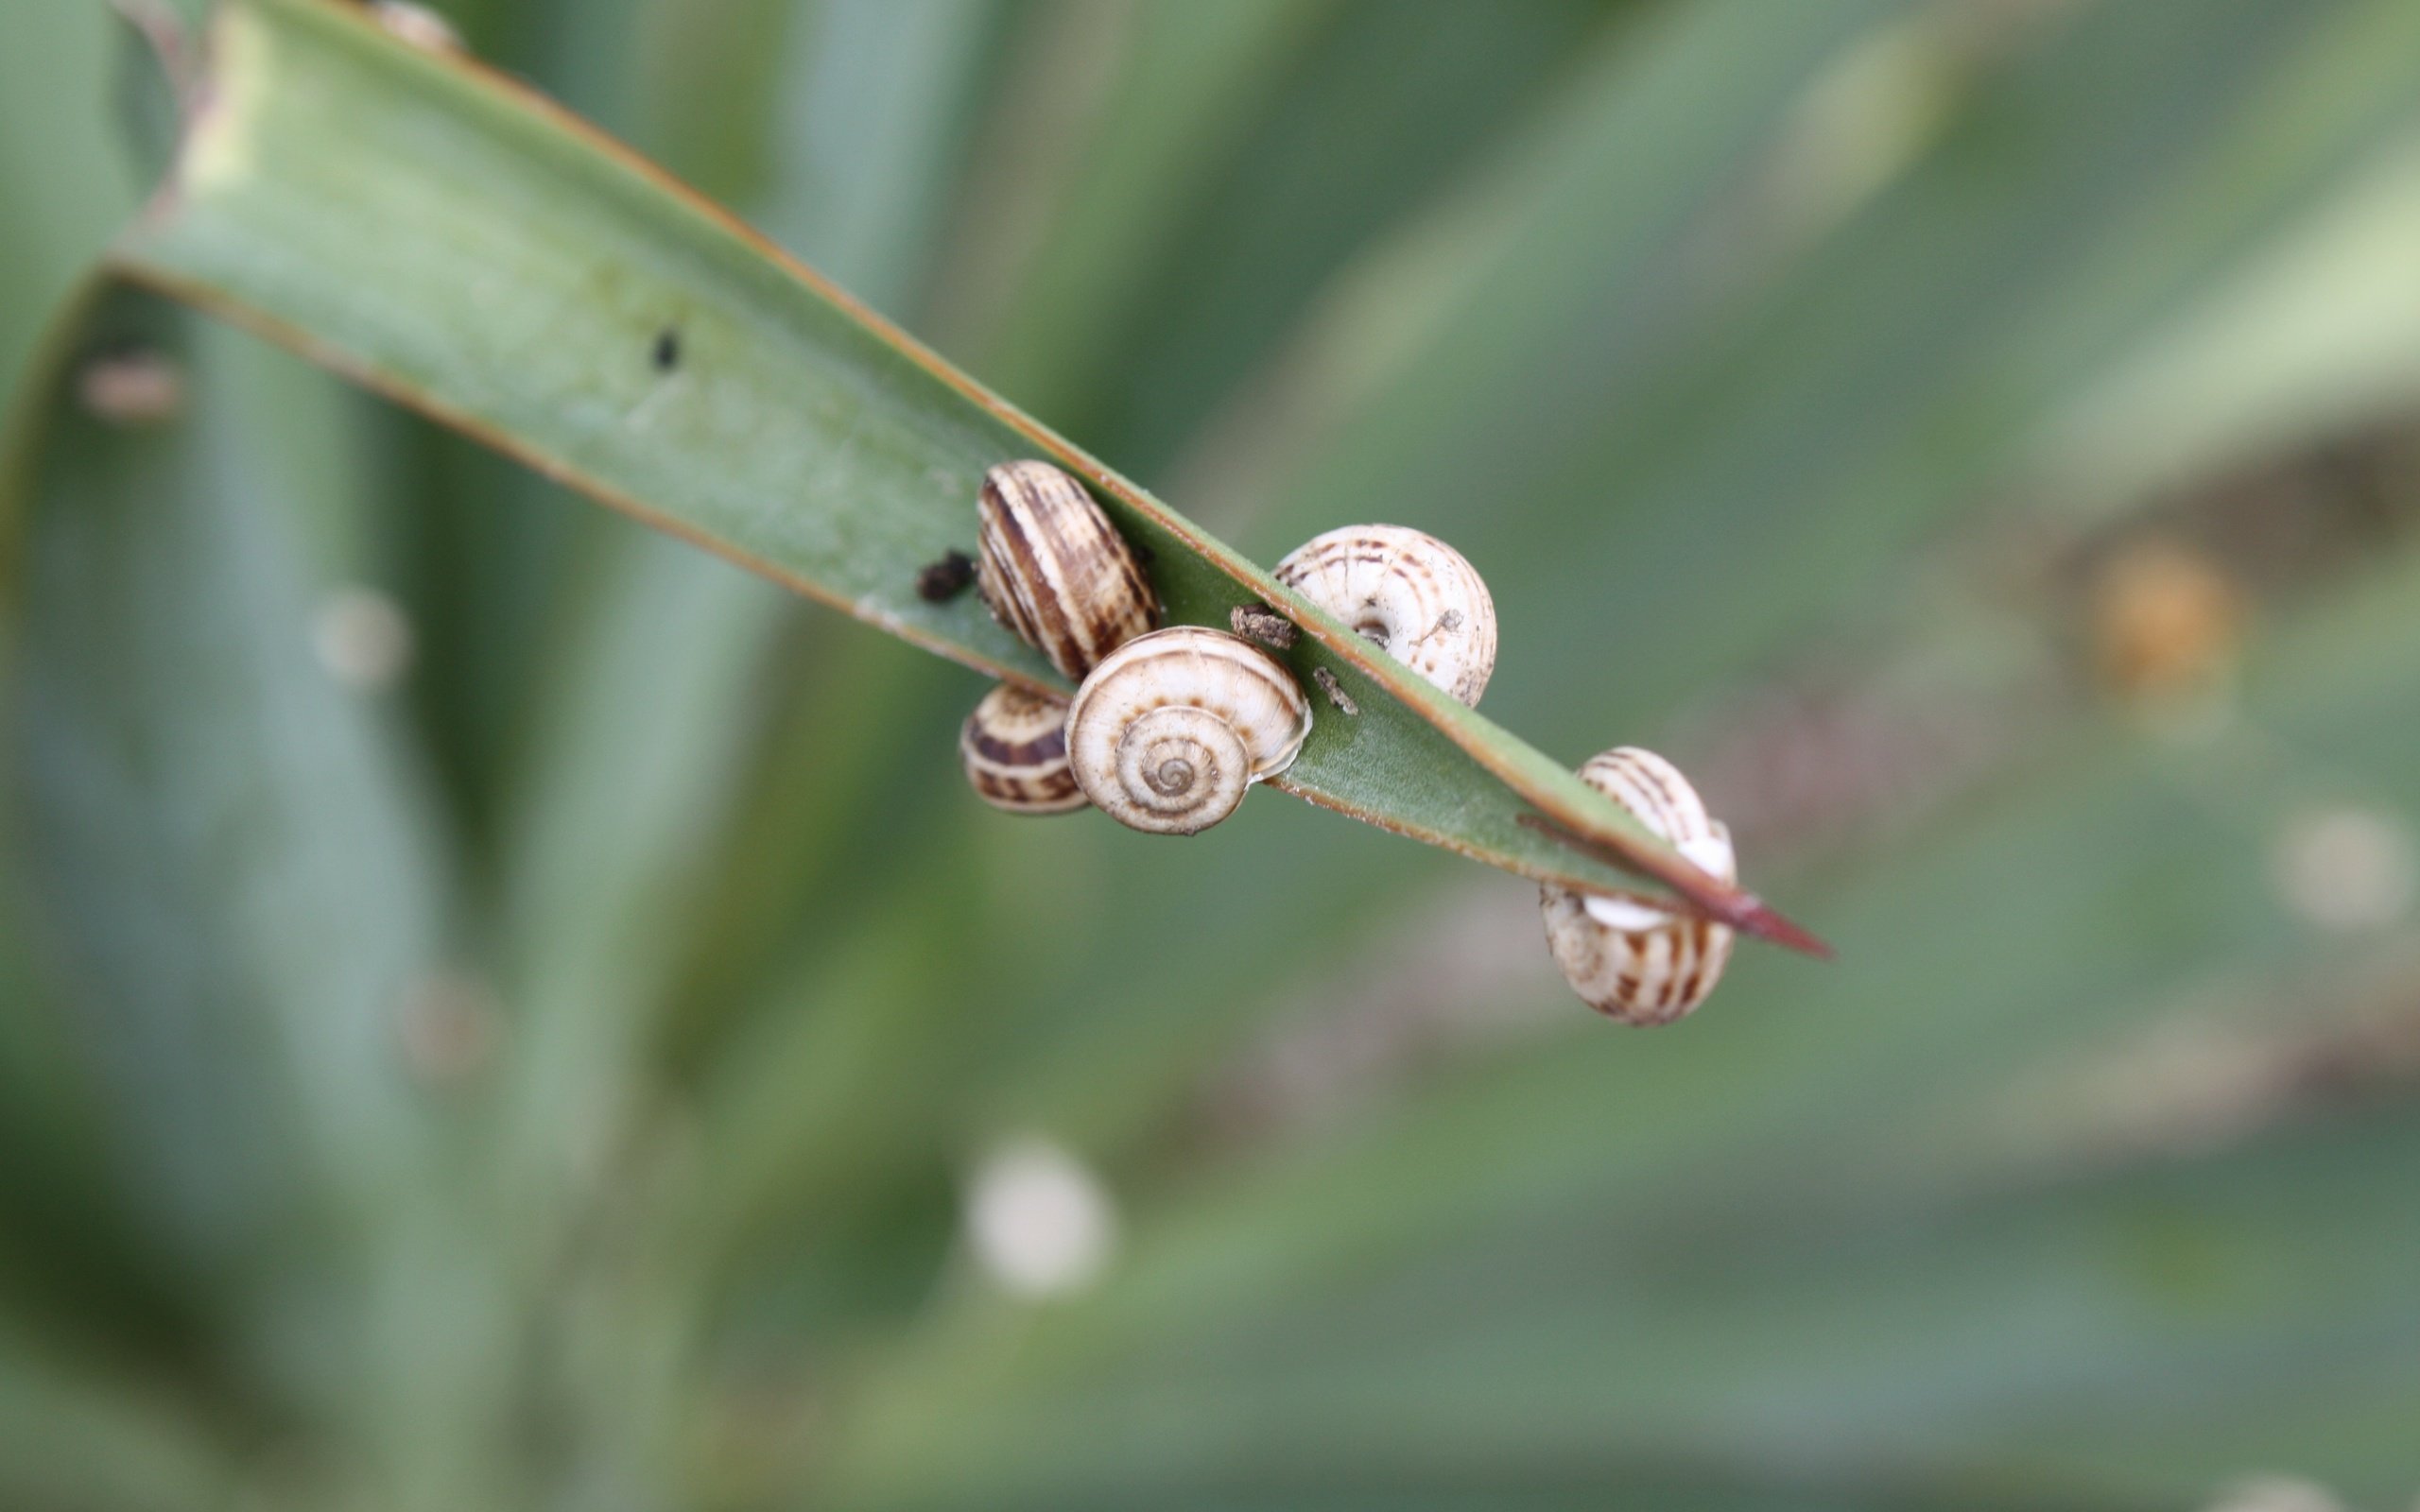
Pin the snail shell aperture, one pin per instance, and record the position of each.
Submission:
(1410, 592)
(1630, 960)
(1054, 570)
(1168, 731)
(1014, 750)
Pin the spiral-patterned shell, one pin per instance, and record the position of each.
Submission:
(1640, 964)
(1053, 568)
(1014, 750)
(1410, 594)
(1168, 731)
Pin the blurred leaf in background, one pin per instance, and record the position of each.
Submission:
(498, 1008)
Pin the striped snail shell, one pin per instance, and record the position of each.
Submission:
(1054, 570)
(1168, 733)
(1410, 592)
(1630, 961)
(1015, 748)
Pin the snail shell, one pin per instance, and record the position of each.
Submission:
(1410, 592)
(1168, 731)
(1630, 961)
(1054, 570)
(1015, 748)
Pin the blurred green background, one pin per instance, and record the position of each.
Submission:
(498, 1009)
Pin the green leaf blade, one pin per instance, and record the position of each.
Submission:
(472, 251)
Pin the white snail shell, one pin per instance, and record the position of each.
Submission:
(1416, 597)
(1054, 570)
(1168, 731)
(1014, 750)
(1628, 960)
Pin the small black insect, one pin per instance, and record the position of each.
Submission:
(941, 581)
(667, 350)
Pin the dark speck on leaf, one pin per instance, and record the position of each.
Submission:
(941, 581)
(667, 350)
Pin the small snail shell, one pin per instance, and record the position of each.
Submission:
(1631, 961)
(1410, 594)
(1168, 733)
(1015, 748)
(1054, 570)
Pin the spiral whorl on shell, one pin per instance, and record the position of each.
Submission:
(1410, 592)
(1168, 731)
(1635, 963)
(1014, 750)
(1053, 568)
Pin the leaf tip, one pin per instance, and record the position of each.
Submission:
(1760, 919)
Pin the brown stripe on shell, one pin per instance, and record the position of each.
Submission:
(1010, 571)
(1013, 748)
(1055, 571)
(1032, 796)
(1653, 790)
(989, 748)
(1630, 986)
(1709, 952)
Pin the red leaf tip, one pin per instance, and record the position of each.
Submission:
(1761, 920)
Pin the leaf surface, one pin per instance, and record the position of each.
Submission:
(467, 249)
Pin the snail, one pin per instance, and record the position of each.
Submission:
(1015, 748)
(1053, 568)
(1630, 961)
(1167, 733)
(1410, 594)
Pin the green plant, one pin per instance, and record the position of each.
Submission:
(552, 1077)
